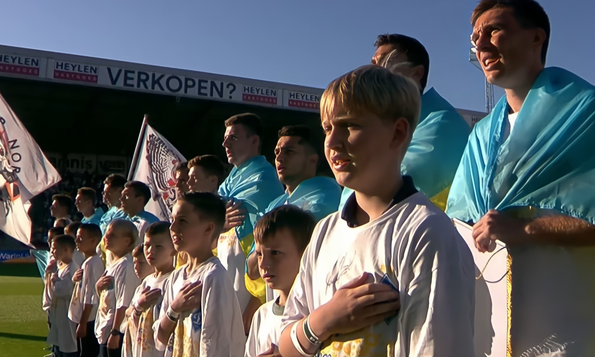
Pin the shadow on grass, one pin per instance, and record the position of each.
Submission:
(22, 337)
(19, 269)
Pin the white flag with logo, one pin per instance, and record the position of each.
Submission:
(156, 161)
(24, 173)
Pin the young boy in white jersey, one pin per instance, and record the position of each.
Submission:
(62, 334)
(116, 287)
(51, 267)
(142, 269)
(281, 237)
(200, 313)
(84, 302)
(389, 241)
(72, 230)
(146, 304)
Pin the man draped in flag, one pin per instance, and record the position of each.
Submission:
(24, 173)
(526, 178)
(441, 134)
(251, 184)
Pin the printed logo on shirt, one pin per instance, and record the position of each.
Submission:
(197, 320)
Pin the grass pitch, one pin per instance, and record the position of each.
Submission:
(23, 325)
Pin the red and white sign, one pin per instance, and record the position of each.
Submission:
(261, 95)
(21, 65)
(310, 101)
(75, 72)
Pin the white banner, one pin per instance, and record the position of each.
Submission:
(24, 173)
(491, 296)
(155, 165)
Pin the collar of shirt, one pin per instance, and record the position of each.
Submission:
(349, 213)
(278, 309)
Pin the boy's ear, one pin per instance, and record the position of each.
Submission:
(401, 135)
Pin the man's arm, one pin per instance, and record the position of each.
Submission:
(560, 230)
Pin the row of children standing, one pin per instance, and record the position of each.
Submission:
(140, 306)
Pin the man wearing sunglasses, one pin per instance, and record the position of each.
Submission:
(441, 134)
(527, 177)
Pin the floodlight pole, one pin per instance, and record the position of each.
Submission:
(489, 87)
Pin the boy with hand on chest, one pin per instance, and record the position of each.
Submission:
(116, 287)
(388, 275)
(62, 334)
(146, 304)
(84, 302)
(200, 314)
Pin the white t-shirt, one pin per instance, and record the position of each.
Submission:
(84, 292)
(63, 331)
(140, 339)
(415, 247)
(216, 328)
(233, 258)
(510, 124)
(110, 300)
(265, 329)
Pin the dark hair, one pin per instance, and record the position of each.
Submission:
(93, 230)
(416, 52)
(182, 167)
(211, 165)
(115, 180)
(302, 132)
(88, 194)
(528, 13)
(73, 226)
(251, 122)
(63, 201)
(55, 231)
(298, 222)
(158, 228)
(138, 252)
(209, 207)
(140, 189)
(65, 240)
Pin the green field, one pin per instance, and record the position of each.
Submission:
(23, 327)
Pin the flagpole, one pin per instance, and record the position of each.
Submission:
(138, 147)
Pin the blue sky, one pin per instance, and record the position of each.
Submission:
(302, 42)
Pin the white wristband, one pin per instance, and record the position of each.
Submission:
(296, 341)
(172, 315)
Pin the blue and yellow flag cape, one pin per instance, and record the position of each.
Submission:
(546, 164)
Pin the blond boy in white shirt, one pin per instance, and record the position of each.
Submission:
(116, 287)
(389, 242)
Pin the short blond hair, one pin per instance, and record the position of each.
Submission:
(372, 90)
(128, 229)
